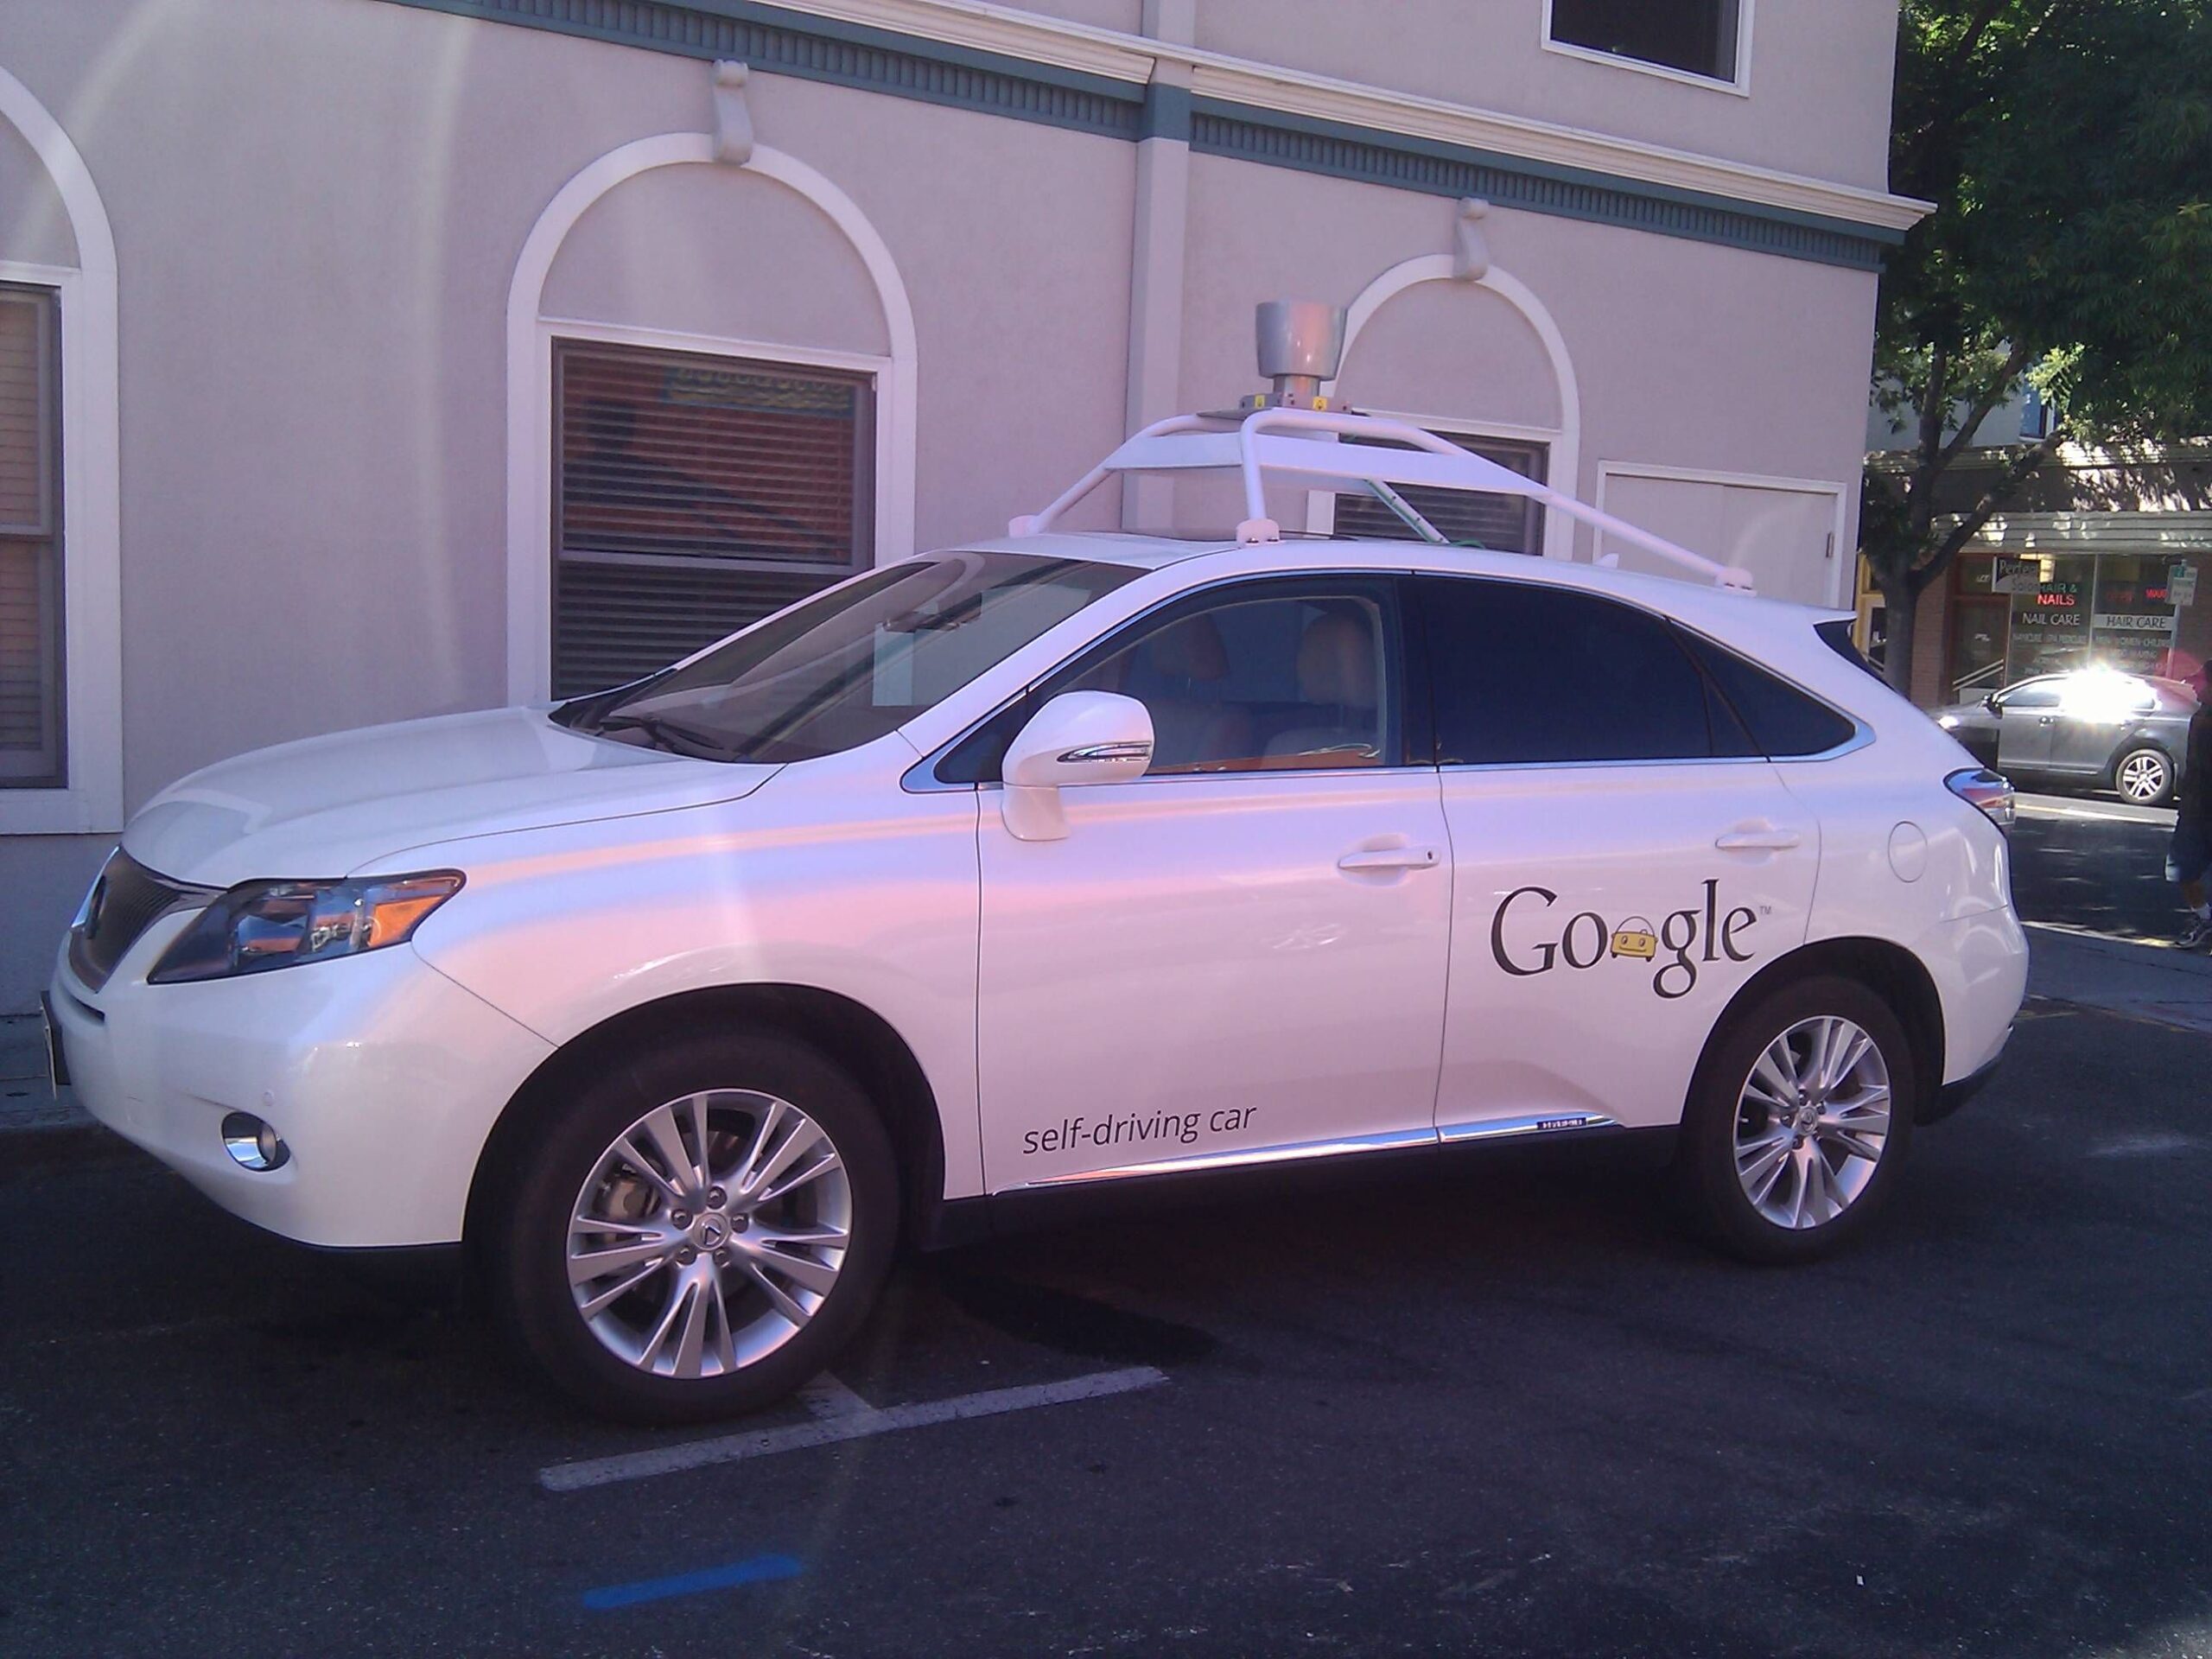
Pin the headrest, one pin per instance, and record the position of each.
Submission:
(1189, 650)
(1336, 660)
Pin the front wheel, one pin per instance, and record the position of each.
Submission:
(1798, 1120)
(694, 1232)
(2144, 777)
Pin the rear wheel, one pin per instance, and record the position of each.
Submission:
(697, 1231)
(2145, 776)
(1798, 1120)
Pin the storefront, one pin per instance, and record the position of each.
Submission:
(2012, 617)
(2040, 593)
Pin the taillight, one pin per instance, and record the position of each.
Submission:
(1979, 786)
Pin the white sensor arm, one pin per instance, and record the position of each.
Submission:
(1284, 441)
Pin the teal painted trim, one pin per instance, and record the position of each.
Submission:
(1407, 163)
(1165, 114)
(782, 42)
(776, 40)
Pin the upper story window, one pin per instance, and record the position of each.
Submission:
(1690, 37)
(30, 541)
(694, 494)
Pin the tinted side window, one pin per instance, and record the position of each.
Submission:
(1836, 636)
(1526, 673)
(1781, 720)
(1284, 683)
(2037, 694)
(1277, 675)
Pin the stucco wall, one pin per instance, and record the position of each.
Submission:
(33, 229)
(318, 206)
(1802, 116)
(1688, 355)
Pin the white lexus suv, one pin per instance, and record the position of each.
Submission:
(1057, 865)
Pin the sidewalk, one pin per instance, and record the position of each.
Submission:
(2144, 981)
(33, 1124)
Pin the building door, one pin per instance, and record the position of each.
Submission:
(1978, 632)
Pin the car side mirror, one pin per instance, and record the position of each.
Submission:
(1078, 738)
(1991, 703)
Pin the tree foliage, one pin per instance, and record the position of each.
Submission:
(2067, 147)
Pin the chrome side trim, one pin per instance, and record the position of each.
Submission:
(1290, 1152)
(1497, 1129)
(1108, 751)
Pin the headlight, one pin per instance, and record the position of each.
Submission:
(1947, 721)
(263, 925)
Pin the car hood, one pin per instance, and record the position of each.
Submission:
(329, 806)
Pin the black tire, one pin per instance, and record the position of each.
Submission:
(1706, 1166)
(2144, 753)
(522, 1258)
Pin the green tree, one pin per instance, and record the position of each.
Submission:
(2067, 145)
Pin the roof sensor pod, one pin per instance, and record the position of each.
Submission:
(1301, 344)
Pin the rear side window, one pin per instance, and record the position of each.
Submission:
(1781, 720)
(1836, 636)
(1526, 675)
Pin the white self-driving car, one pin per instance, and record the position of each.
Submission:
(1061, 865)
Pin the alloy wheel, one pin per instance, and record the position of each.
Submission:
(710, 1233)
(1812, 1120)
(2143, 777)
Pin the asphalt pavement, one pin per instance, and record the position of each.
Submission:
(1510, 1411)
(2095, 862)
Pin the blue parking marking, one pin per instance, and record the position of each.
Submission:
(760, 1569)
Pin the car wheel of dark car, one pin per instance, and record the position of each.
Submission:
(2144, 777)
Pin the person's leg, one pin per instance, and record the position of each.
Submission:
(2185, 867)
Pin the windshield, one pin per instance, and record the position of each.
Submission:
(854, 664)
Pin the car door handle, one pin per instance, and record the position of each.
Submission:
(1389, 858)
(1758, 841)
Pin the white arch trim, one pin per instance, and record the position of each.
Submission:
(529, 381)
(1566, 467)
(92, 514)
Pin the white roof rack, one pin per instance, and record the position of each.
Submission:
(1299, 448)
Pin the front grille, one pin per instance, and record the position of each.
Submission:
(125, 902)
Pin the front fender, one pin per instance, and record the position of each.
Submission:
(836, 889)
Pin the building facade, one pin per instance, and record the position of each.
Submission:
(2096, 561)
(363, 360)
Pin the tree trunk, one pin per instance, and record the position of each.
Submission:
(1900, 621)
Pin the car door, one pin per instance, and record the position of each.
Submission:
(2027, 724)
(2097, 715)
(1239, 956)
(1623, 858)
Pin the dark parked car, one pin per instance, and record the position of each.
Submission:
(2094, 727)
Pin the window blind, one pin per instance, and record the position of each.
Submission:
(1506, 523)
(30, 541)
(694, 494)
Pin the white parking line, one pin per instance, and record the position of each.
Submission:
(845, 1425)
(2157, 817)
